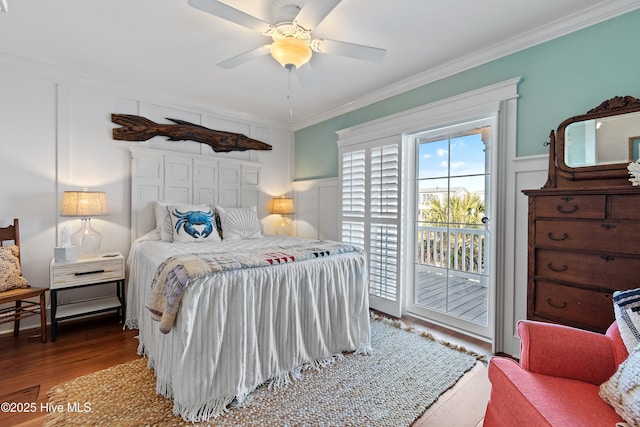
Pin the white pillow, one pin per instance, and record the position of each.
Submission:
(239, 223)
(626, 307)
(163, 222)
(193, 223)
(622, 390)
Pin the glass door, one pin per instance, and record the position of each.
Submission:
(452, 238)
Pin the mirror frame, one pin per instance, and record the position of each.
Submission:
(561, 175)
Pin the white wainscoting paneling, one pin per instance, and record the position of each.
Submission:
(525, 173)
(317, 208)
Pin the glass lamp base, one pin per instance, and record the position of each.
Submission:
(283, 229)
(87, 239)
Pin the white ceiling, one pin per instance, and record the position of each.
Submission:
(168, 48)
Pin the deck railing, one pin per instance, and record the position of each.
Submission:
(462, 249)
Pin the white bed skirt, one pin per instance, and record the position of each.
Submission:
(246, 327)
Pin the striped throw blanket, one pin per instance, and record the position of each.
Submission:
(173, 275)
(626, 306)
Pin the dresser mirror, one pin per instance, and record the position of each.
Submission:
(597, 145)
(602, 141)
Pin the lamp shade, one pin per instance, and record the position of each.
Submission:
(290, 51)
(84, 203)
(282, 206)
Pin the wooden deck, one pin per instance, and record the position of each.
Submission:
(465, 298)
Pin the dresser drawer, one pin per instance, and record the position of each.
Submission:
(625, 206)
(84, 272)
(598, 236)
(606, 271)
(575, 206)
(573, 306)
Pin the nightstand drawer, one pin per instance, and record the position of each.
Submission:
(91, 270)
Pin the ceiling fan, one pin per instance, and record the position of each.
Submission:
(292, 44)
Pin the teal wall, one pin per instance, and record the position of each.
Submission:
(561, 78)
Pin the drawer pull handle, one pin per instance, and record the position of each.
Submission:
(608, 226)
(567, 211)
(557, 239)
(89, 272)
(607, 258)
(559, 270)
(558, 306)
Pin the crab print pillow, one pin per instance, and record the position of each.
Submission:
(193, 223)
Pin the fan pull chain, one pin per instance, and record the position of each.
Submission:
(289, 91)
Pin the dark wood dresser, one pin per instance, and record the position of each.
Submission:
(583, 245)
(584, 225)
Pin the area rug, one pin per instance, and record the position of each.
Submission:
(406, 374)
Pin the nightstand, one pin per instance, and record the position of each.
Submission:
(87, 271)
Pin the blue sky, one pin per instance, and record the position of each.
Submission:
(466, 157)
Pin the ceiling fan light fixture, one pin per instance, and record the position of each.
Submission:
(291, 51)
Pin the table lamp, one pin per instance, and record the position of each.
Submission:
(85, 204)
(282, 206)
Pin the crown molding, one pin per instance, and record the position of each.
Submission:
(567, 25)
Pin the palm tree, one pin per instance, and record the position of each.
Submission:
(459, 210)
(463, 210)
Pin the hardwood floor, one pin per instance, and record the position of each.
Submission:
(29, 369)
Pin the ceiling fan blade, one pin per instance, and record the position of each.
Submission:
(229, 13)
(305, 76)
(314, 12)
(244, 57)
(351, 50)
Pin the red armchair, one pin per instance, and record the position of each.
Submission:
(557, 380)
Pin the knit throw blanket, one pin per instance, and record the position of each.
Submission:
(173, 275)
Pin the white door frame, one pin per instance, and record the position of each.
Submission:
(500, 97)
(482, 332)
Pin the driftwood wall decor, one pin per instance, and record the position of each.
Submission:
(137, 128)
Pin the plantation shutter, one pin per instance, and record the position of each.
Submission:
(383, 234)
(370, 183)
(353, 198)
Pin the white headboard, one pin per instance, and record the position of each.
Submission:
(187, 178)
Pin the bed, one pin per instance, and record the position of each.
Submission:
(251, 309)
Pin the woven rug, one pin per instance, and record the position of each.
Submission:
(405, 375)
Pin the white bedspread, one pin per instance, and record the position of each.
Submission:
(238, 329)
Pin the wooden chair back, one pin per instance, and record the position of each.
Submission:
(22, 308)
(11, 235)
